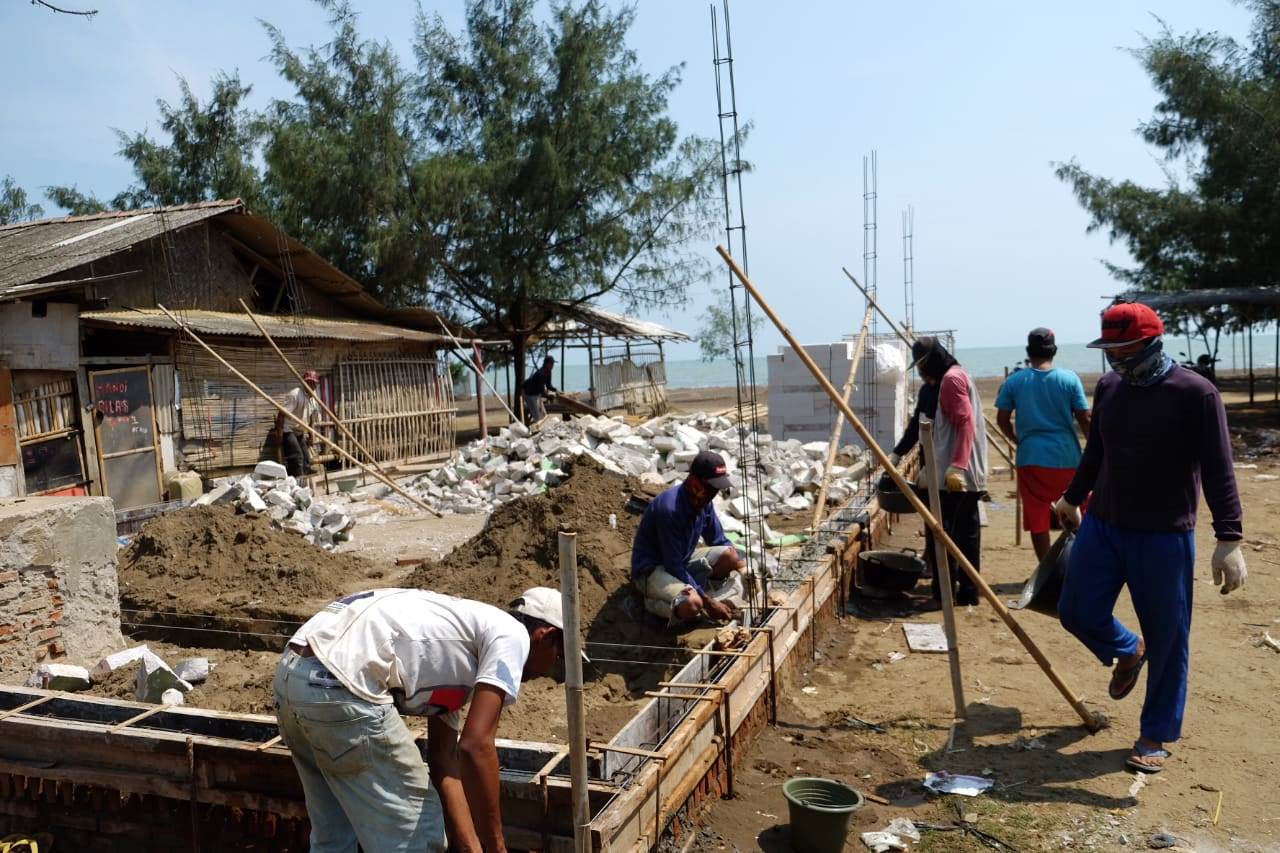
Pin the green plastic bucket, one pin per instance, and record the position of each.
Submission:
(820, 811)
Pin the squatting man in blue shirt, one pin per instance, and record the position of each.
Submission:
(668, 566)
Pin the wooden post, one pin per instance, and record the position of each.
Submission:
(942, 571)
(482, 416)
(392, 484)
(820, 504)
(1091, 722)
(575, 716)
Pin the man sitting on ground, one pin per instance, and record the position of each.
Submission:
(667, 564)
(349, 673)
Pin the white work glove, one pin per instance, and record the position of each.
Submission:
(1228, 566)
(1068, 513)
(955, 479)
(894, 459)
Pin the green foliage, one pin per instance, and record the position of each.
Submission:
(13, 203)
(527, 158)
(75, 202)
(715, 337)
(1216, 223)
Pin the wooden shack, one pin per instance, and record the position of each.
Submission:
(101, 393)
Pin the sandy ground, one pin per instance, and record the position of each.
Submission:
(1070, 790)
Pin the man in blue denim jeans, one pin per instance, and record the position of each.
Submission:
(351, 671)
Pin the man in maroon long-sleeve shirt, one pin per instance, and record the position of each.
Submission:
(1159, 434)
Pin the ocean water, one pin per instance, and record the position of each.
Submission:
(979, 361)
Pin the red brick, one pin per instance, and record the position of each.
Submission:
(48, 634)
(30, 604)
(42, 652)
(54, 583)
(7, 628)
(32, 624)
(7, 577)
(56, 648)
(55, 616)
(55, 600)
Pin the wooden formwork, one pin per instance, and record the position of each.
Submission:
(109, 775)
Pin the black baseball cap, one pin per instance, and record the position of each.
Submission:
(1040, 338)
(709, 467)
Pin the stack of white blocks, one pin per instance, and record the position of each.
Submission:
(800, 409)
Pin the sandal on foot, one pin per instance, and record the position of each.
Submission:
(1124, 680)
(1134, 762)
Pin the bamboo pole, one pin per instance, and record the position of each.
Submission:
(390, 483)
(942, 571)
(820, 505)
(457, 350)
(909, 339)
(324, 407)
(940, 535)
(576, 715)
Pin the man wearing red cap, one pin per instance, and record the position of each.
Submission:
(295, 442)
(1158, 434)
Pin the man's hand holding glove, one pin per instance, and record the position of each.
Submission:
(1228, 565)
(1068, 513)
(955, 479)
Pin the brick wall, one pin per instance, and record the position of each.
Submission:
(58, 592)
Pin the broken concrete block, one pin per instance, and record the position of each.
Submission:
(254, 502)
(172, 697)
(226, 493)
(269, 469)
(63, 676)
(739, 507)
(781, 488)
(665, 443)
(192, 670)
(519, 430)
(280, 498)
(815, 449)
(118, 660)
(155, 677)
(502, 487)
(302, 495)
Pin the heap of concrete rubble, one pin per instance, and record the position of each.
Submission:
(272, 492)
(155, 680)
(516, 462)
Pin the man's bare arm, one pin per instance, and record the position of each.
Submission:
(478, 759)
(446, 776)
(1004, 419)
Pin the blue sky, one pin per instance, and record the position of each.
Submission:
(967, 104)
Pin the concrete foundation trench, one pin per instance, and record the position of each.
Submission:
(98, 773)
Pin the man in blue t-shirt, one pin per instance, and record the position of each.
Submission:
(1049, 402)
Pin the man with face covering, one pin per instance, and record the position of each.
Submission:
(1158, 434)
(960, 450)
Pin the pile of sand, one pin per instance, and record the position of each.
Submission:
(210, 560)
(518, 548)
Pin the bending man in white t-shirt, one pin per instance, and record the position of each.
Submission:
(355, 667)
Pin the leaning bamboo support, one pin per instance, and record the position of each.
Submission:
(820, 504)
(908, 339)
(575, 715)
(324, 407)
(332, 445)
(457, 350)
(942, 571)
(940, 534)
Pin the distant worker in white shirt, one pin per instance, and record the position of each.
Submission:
(295, 442)
(349, 673)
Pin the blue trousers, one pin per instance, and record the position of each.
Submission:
(1158, 569)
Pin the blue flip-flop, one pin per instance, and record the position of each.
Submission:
(1123, 681)
(1146, 752)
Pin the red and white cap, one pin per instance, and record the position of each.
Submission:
(1128, 323)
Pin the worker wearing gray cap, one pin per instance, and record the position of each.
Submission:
(354, 668)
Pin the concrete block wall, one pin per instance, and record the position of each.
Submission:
(800, 409)
(59, 596)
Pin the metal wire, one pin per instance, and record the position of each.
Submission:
(160, 627)
(211, 616)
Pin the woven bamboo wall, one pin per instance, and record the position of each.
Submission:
(393, 395)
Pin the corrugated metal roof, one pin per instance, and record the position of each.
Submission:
(30, 251)
(613, 325)
(239, 325)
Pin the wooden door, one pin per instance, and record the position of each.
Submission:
(125, 427)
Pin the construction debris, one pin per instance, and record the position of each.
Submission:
(514, 463)
(272, 492)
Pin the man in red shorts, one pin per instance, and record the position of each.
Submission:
(1049, 402)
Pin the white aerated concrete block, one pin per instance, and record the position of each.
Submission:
(270, 470)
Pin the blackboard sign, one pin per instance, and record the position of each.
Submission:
(52, 463)
(122, 399)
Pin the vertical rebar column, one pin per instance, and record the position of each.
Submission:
(575, 716)
(909, 267)
(735, 225)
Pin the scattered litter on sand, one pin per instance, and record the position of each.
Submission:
(943, 782)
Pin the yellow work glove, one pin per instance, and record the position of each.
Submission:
(955, 479)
